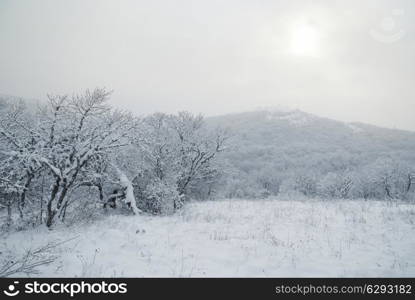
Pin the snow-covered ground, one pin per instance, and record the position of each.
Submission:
(237, 238)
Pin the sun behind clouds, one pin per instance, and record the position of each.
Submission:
(305, 40)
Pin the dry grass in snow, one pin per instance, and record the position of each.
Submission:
(241, 238)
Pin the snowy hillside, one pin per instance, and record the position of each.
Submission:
(294, 126)
(273, 151)
(236, 238)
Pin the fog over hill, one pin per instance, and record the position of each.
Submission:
(288, 145)
(298, 126)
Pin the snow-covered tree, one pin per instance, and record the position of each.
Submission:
(197, 148)
(71, 138)
(393, 178)
(177, 154)
(81, 130)
(306, 184)
(335, 185)
(18, 141)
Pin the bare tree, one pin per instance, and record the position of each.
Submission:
(18, 142)
(88, 129)
(197, 148)
(70, 138)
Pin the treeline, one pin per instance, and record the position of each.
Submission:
(386, 178)
(336, 174)
(77, 154)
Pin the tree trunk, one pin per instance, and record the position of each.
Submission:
(22, 201)
(42, 200)
(408, 187)
(101, 192)
(51, 214)
(9, 213)
(50, 211)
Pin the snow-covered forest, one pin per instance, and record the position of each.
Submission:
(282, 151)
(77, 154)
(72, 162)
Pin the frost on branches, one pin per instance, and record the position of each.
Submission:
(65, 140)
(177, 153)
(58, 157)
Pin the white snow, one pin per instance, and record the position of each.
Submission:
(129, 191)
(294, 117)
(354, 128)
(276, 109)
(241, 238)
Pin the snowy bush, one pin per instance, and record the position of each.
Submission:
(161, 197)
(335, 185)
(306, 184)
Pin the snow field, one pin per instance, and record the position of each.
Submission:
(237, 238)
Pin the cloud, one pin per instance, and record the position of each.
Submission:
(213, 56)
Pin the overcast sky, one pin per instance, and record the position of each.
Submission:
(347, 60)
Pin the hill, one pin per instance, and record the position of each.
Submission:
(270, 147)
